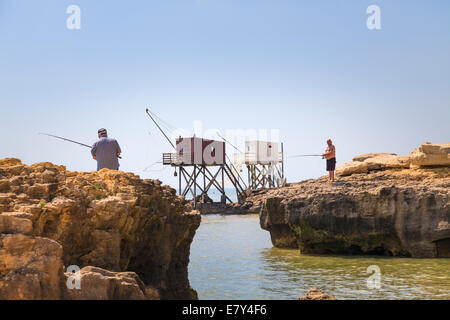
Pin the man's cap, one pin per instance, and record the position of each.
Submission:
(102, 131)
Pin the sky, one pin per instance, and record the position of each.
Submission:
(310, 69)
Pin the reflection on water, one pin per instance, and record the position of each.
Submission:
(232, 258)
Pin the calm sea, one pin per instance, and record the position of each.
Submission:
(233, 258)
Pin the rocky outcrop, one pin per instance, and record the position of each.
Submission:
(427, 155)
(315, 294)
(254, 200)
(373, 161)
(388, 208)
(101, 284)
(30, 266)
(431, 154)
(136, 232)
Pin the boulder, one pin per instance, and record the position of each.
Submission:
(428, 154)
(12, 224)
(100, 284)
(30, 268)
(431, 154)
(349, 168)
(373, 161)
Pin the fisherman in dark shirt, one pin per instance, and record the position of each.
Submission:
(330, 155)
(106, 151)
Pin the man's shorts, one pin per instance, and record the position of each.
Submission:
(331, 164)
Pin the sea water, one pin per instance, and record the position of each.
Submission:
(233, 258)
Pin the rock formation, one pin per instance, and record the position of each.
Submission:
(373, 161)
(381, 204)
(101, 284)
(431, 154)
(315, 294)
(131, 237)
(427, 155)
(30, 266)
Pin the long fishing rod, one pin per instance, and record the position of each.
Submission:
(65, 139)
(306, 155)
(148, 112)
(68, 140)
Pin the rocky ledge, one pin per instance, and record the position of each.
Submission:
(130, 237)
(380, 204)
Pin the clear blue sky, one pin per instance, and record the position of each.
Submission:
(311, 69)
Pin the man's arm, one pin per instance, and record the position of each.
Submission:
(118, 150)
(94, 151)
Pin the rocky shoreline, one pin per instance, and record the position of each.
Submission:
(130, 237)
(381, 204)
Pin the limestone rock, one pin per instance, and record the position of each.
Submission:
(389, 210)
(431, 154)
(349, 168)
(30, 267)
(100, 284)
(23, 215)
(373, 161)
(9, 162)
(315, 294)
(428, 154)
(108, 219)
(365, 156)
(11, 224)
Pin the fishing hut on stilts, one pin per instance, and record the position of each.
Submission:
(264, 162)
(200, 165)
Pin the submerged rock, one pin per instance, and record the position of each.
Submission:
(112, 220)
(391, 209)
(315, 294)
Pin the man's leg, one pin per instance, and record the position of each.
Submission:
(332, 176)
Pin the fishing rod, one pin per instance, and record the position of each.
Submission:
(148, 113)
(306, 155)
(65, 139)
